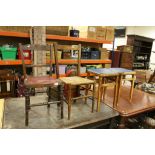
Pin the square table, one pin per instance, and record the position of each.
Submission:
(110, 72)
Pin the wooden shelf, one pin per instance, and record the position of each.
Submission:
(89, 61)
(67, 38)
(69, 61)
(54, 37)
(14, 62)
(14, 34)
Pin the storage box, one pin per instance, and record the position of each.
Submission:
(109, 33)
(66, 55)
(95, 54)
(57, 30)
(107, 65)
(82, 70)
(90, 67)
(25, 29)
(26, 53)
(8, 53)
(100, 32)
(104, 53)
(125, 48)
(62, 69)
(59, 53)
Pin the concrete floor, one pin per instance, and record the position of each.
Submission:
(42, 118)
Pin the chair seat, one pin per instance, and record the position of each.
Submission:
(40, 81)
(76, 80)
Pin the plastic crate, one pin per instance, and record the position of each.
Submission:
(8, 53)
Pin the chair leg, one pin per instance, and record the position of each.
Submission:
(27, 107)
(115, 102)
(132, 87)
(61, 100)
(86, 93)
(49, 96)
(69, 101)
(93, 98)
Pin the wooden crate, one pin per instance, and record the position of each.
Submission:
(109, 33)
(126, 60)
(104, 53)
(25, 29)
(57, 30)
(125, 48)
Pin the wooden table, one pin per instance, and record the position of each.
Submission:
(141, 102)
(103, 72)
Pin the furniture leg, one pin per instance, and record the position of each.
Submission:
(132, 87)
(122, 123)
(61, 100)
(49, 96)
(69, 101)
(115, 103)
(93, 98)
(86, 92)
(119, 87)
(99, 94)
(27, 106)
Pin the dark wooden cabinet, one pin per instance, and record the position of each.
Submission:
(142, 47)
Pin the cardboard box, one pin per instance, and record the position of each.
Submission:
(82, 70)
(109, 33)
(104, 53)
(125, 48)
(92, 32)
(100, 32)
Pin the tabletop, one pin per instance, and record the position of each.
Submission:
(109, 70)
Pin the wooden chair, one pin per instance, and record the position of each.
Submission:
(75, 80)
(7, 83)
(32, 82)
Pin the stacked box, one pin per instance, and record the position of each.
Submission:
(82, 70)
(110, 33)
(57, 30)
(104, 53)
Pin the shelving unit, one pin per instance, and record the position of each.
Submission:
(142, 47)
(25, 37)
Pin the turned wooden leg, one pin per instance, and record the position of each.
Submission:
(93, 97)
(49, 96)
(132, 87)
(27, 106)
(122, 123)
(69, 101)
(86, 93)
(61, 100)
(99, 94)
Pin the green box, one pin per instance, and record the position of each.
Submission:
(8, 53)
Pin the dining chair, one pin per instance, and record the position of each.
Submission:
(33, 82)
(76, 80)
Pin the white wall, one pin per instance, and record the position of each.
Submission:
(146, 31)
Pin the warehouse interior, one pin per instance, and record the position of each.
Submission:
(78, 77)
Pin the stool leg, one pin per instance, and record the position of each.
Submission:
(61, 100)
(119, 87)
(99, 94)
(93, 98)
(69, 101)
(132, 87)
(115, 103)
(86, 93)
(27, 106)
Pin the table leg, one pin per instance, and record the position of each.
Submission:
(132, 87)
(115, 103)
(119, 88)
(61, 100)
(86, 92)
(99, 94)
(69, 101)
(93, 98)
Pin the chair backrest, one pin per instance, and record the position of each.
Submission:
(43, 48)
(74, 49)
